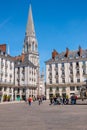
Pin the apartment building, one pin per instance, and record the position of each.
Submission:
(6, 73)
(66, 73)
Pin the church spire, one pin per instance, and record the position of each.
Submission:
(30, 31)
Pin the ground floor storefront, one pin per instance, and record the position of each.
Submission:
(15, 93)
(65, 91)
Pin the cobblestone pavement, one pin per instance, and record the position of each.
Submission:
(21, 116)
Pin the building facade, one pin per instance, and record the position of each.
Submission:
(42, 84)
(6, 73)
(66, 73)
(20, 75)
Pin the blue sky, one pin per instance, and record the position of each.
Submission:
(58, 24)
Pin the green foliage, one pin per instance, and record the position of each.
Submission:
(6, 98)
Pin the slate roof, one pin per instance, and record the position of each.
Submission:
(72, 55)
(24, 63)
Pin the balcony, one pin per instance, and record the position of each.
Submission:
(23, 72)
(2, 65)
(6, 74)
(50, 91)
(84, 66)
(23, 79)
(10, 75)
(77, 74)
(56, 76)
(64, 90)
(50, 77)
(18, 72)
(56, 91)
(77, 66)
(6, 65)
(1, 73)
(71, 74)
(50, 69)
(18, 79)
(71, 67)
(56, 68)
(62, 68)
(63, 75)
(85, 74)
(10, 67)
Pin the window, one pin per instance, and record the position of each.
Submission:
(57, 88)
(70, 56)
(50, 81)
(50, 89)
(63, 89)
(33, 46)
(78, 80)
(50, 66)
(63, 73)
(77, 71)
(71, 80)
(78, 87)
(1, 89)
(62, 64)
(77, 64)
(5, 89)
(63, 80)
(56, 65)
(84, 72)
(71, 72)
(83, 62)
(50, 74)
(26, 47)
(56, 73)
(56, 80)
(5, 80)
(36, 47)
(70, 64)
(72, 88)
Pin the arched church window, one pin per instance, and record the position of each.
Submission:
(33, 46)
(36, 47)
(29, 46)
(26, 47)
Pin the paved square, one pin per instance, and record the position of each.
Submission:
(21, 116)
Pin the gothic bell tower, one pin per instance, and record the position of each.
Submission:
(30, 42)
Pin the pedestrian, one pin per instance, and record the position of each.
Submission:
(51, 100)
(29, 100)
(39, 101)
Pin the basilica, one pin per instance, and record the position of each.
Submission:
(20, 75)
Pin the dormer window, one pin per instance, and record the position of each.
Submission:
(76, 56)
(70, 56)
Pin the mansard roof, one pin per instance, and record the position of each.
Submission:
(69, 55)
(22, 61)
(5, 56)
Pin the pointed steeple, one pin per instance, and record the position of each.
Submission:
(30, 31)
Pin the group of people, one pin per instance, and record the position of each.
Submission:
(59, 100)
(63, 100)
(30, 100)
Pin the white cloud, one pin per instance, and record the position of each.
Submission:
(4, 22)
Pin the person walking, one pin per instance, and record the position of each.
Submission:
(29, 101)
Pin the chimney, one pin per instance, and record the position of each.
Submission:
(23, 56)
(67, 52)
(54, 53)
(3, 47)
(80, 51)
